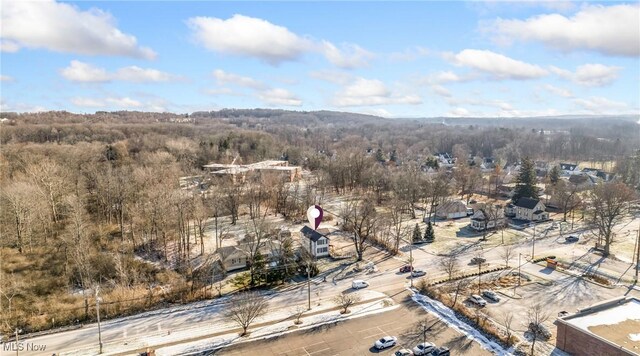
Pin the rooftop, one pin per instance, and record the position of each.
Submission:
(617, 321)
(527, 203)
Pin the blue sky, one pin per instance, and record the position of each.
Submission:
(407, 59)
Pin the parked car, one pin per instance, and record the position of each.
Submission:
(489, 294)
(572, 238)
(522, 275)
(385, 342)
(403, 352)
(358, 283)
(477, 300)
(418, 273)
(405, 269)
(424, 348)
(440, 351)
(478, 260)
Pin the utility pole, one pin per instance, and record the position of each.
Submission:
(519, 255)
(479, 269)
(637, 255)
(98, 300)
(309, 274)
(17, 341)
(533, 246)
(411, 263)
(424, 333)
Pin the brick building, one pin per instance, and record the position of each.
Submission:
(610, 328)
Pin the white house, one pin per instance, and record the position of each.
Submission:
(445, 159)
(314, 242)
(530, 210)
(451, 210)
(480, 220)
(568, 169)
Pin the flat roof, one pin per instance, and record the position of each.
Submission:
(617, 321)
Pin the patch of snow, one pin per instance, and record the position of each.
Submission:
(610, 316)
(634, 337)
(448, 317)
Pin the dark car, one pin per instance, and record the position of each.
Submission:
(405, 269)
(440, 351)
(572, 238)
(478, 260)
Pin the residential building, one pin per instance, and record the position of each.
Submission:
(480, 220)
(238, 173)
(314, 242)
(232, 258)
(530, 210)
(568, 169)
(445, 159)
(451, 210)
(609, 328)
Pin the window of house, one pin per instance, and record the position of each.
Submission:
(322, 250)
(322, 242)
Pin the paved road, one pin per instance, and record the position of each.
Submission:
(356, 336)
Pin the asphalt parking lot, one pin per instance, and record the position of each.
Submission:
(356, 336)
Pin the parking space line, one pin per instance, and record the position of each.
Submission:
(315, 352)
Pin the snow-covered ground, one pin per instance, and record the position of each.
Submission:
(203, 324)
(273, 330)
(448, 317)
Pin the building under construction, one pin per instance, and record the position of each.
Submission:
(238, 173)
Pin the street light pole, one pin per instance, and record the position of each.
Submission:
(411, 263)
(479, 269)
(519, 255)
(638, 255)
(98, 300)
(309, 275)
(17, 342)
(533, 246)
(424, 333)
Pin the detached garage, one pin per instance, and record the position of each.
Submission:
(451, 210)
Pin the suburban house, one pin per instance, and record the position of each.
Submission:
(445, 159)
(479, 221)
(451, 210)
(568, 169)
(510, 210)
(488, 164)
(232, 258)
(583, 181)
(530, 210)
(314, 242)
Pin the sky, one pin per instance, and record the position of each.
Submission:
(393, 59)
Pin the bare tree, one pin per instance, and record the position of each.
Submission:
(297, 314)
(507, 253)
(346, 300)
(449, 265)
(566, 195)
(536, 316)
(244, 308)
(360, 219)
(398, 231)
(506, 320)
(256, 237)
(608, 202)
(458, 287)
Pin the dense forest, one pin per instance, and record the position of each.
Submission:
(95, 200)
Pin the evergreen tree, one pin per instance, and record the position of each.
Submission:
(379, 155)
(554, 175)
(526, 182)
(394, 156)
(429, 235)
(416, 235)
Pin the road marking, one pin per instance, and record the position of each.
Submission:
(317, 343)
(315, 352)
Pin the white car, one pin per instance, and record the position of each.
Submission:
(358, 283)
(385, 342)
(489, 294)
(403, 352)
(476, 299)
(424, 348)
(418, 273)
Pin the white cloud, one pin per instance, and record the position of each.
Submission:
(6, 78)
(224, 78)
(565, 93)
(62, 27)
(278, 96)
(351, 56)
(112, 102)
(599, 105)
(610, 30)
(254, 37)
(332, 76)
(409, 54)
(365, 92)
(19, 107)
(440, 90)
(222, 91)
(458, 112)
(592, 75)
(496, 65)
(86, 73)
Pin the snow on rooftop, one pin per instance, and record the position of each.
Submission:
(608, 316)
